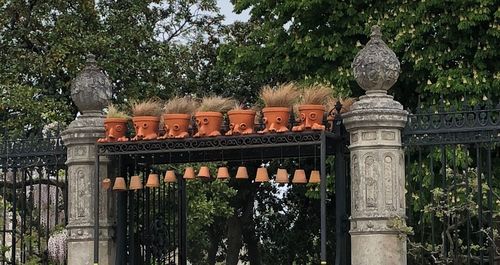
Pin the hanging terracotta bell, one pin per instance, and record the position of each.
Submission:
(120, 184)
(135, 183)
(242, 173)
(222, 173)
(299, 177)
(315, 177)
(106, 184)
(189, 173)
(204, 172)
(153, 181)
(261, 175)
(170, 177)
(281, 176)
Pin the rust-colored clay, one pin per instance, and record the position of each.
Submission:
(208, 123)
(276, 119)
(116, 129)
(241, 122)
(311, 118)
(176, 125)
(146, 127)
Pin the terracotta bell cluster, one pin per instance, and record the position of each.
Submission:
(262, 175)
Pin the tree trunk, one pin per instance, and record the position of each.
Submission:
(233, 240)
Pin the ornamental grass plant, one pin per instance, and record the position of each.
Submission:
(284, 95)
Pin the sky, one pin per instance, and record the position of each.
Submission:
(226, 8)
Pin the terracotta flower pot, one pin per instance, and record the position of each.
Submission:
(106, 184)
(241, 122)
(276, 119)
(146, 127)
(176, 125)
(208, 123)
(311, 118)
(116, 128)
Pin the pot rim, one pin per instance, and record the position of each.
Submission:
(312, 107)
(116, 120)
(208, 114)
(146, 118)
(176, 116)
(276, 109)
(242, 111)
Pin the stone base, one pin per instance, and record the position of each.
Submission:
(82, 253)
(378, 249)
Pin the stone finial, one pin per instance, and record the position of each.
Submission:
(91, 89)
(376, 67)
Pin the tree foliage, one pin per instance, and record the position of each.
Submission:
(444, 47)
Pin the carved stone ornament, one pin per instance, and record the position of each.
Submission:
(376, 67)
(91, 89)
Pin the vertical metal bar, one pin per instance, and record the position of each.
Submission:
(468, 227)
(490, 205)
(31, 200)
(131, 223)
(322, 183)
(23, 214)
(444, 187)
(121, 223)
(182, 223)
(14, 215)
(422, 232)
(433, 231)
(4, 200)
(480, 203)
(96, 208)
(340, 206)
(47, 227)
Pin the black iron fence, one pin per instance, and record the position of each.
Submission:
(33, 198)
(148, 228)
(452, 169)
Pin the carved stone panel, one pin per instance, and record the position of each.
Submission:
(389, 181)
(356, 198)
(371, 181)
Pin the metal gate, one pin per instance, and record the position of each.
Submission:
(453, 159)
(151, 222)
(33, 198)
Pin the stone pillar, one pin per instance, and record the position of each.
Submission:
(377, 159)
(90, 91)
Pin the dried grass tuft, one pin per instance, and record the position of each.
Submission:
(114, 112)
(281, 96)
(316, 95)
(178, 105)
(216, 104)
(150, 107)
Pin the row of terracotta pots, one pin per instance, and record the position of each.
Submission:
(262, 175)
(209, 123)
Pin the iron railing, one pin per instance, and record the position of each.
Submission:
(33, 195)
(452, 158)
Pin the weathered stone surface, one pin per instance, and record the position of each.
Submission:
(377, 160)
(80, 138)
(376, 67)
(91, 89)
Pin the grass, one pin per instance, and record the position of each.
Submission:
(216, 104)
(284, 95)
(178, 105)
(114, 112)
(150, 107)
(316, 95)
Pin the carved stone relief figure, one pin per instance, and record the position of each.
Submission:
(371, 175)
(388, 182)
(82, 192)
(355, 179)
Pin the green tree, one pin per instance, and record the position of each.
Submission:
(444, 47)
